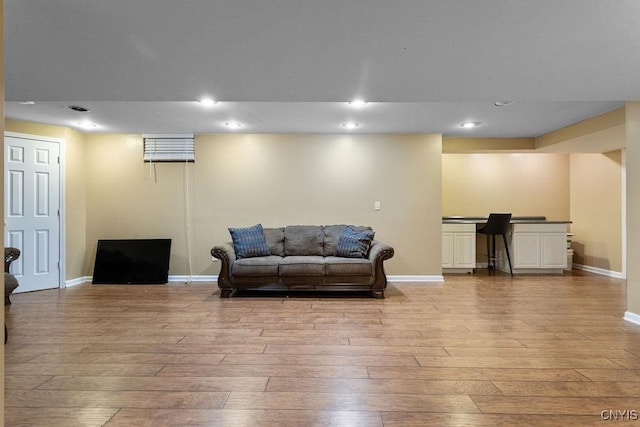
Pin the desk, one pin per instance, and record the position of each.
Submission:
(537, 246)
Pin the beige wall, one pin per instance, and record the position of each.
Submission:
(31, 128)
(240, 180)
(451, 145)
(632, 159)
(596, 209)
(281, 179)
(583, 128)
(523, 184)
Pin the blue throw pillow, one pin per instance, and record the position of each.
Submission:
(354, 244)
(249, 242)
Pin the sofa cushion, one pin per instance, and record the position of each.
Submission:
(331, 235)
(353, 243)
(249, 242)
(256, 266)
(303, 240)
(312, 265)
(340, 266)
(275, 240)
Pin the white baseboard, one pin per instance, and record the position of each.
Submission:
(77, 281)
(89, 279)
(632, 317)
(404, 279)
(397, 279)
(600, 271)
(184, 279)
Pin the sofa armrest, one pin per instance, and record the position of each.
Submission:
(227, 256)
(378, 253)
(224, 251)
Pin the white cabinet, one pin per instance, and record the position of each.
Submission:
(458, 248)
(526, 250)
(539, 248)
(553, 250)
(447, 250)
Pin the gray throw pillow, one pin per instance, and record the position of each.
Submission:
(249, 242)
(354, 244)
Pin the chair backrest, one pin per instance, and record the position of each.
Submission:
(498, 223)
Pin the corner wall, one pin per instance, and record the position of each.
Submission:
(632, 157)
(75, 203)
(596, 210)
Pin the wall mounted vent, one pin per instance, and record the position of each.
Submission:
(169, 148)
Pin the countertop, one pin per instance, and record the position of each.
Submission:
(514, 220)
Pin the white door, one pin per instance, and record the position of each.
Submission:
(32, 210)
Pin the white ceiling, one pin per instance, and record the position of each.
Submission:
(290, 65)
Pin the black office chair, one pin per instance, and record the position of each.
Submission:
(497, 224)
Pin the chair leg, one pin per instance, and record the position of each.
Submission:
(506, 247)
(493, 251)
(488, 255)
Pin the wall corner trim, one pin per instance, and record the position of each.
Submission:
(632, 317)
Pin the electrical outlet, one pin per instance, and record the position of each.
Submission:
(376, 205)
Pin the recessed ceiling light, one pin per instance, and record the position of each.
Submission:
(502, 103)
(358, 103)
(350, 125)
(233, 125)
(469, 125)
(207, 102)
(86, 125)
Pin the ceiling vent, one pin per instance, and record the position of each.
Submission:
(169, 148)
(78, 108)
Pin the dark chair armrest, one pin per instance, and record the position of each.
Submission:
(10, 255)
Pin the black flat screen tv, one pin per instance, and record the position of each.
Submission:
(132, 261)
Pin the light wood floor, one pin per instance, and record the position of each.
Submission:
(473, 351)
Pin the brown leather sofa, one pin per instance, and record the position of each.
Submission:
(304, 257)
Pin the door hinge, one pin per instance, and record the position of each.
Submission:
(58, 159)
